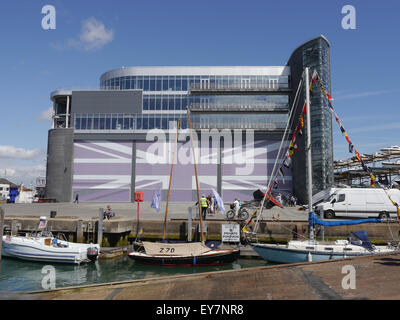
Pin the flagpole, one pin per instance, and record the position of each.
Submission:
(308, 150)
(197, 180)
(170, 179)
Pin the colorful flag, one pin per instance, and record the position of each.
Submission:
(294, 142)
(291, 148)
(141, 234)
(281, 173)
(219, 200)
(287, 161)
(155, 203)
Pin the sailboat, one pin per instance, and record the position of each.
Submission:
(183, 253)
(295, 251)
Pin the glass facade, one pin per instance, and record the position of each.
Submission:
(316, 56)
(137, 122)
(185, 83)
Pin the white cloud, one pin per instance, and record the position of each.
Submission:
(94, 35)
(46, 115)
(11, 152)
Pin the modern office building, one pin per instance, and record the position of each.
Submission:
(106, 144)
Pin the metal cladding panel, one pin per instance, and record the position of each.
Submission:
(102, 170)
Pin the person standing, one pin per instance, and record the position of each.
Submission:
(76, 198)
(204, 206)
(212, 204)
(237, 206)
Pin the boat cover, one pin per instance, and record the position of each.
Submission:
(360, 238)
(175, 249)
(314, 220)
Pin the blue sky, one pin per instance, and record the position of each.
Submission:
(364, 62)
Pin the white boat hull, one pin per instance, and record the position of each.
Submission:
(35, 249)
(296, 251)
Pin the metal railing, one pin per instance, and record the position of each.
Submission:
(239, 107)
(272, 86)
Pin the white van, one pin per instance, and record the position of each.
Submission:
(360, 203)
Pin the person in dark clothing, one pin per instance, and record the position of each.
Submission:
(76, 198)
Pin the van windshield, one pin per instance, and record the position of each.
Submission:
(331, 197)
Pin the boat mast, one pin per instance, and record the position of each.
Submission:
(170, 179)
(197, 180)
(308, 150)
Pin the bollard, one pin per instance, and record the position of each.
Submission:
(14, 228)
(1, 230)
(189, 225)
(100, 227)
(79, 231)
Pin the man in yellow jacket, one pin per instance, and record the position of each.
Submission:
(204, 205)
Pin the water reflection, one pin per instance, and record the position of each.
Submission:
(17, 275)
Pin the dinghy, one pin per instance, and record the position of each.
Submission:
(44, 247)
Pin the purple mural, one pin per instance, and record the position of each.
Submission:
(102, 171)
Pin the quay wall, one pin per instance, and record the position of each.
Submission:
(268, 231)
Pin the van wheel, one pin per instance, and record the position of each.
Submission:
(329, 214)
(384, 216)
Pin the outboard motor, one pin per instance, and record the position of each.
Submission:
(92, 253)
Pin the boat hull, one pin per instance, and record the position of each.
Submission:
(281, 254)
(215, 257)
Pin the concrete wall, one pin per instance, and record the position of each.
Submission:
(59, 164)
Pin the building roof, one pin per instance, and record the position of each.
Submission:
(5, 181)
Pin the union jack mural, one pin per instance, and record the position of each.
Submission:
(102, 171)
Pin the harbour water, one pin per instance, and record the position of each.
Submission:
(22, 276)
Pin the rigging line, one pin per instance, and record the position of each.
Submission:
(294, 106)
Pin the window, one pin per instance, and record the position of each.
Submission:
(114, 121)
(151, 122)
(96, 122)
(171, 105)
(152, 102)
(145, 102)
(177, 102)
(341, 197)
(165, 84)
(158, 122)
(139, 83)
(171, 84)
(146, 84)
(165, 102)
(178, 83)
(158, 84)
(158, 102)
(152, 84)
(184, 83)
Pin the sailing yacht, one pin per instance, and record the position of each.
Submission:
(183, 253)
(311, 250)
